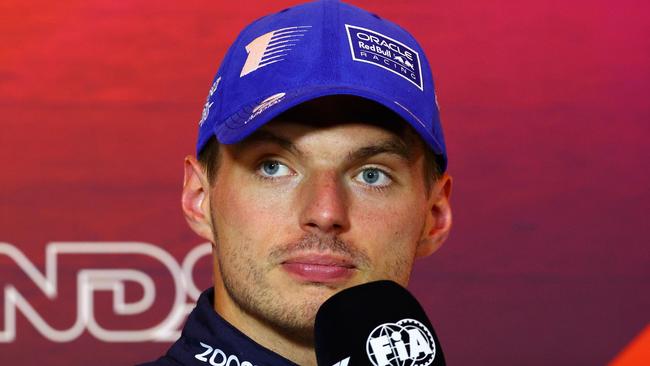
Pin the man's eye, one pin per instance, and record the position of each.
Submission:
(273, 169)
(373, 177)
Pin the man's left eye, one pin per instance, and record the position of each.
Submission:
(273, 169)
(373, 177)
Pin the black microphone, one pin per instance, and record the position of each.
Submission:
(377, 323)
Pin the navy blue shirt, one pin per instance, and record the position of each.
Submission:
(208, 339)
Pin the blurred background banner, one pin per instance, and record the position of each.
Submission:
(546, 114)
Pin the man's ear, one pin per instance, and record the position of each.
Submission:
(195, 199)
(438, 221)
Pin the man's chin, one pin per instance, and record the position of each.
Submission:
(297, 319)
(307, 299)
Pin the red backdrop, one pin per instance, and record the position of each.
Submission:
(545, 109)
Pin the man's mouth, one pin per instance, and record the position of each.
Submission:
(319, 268)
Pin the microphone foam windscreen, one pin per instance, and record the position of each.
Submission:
(377, 323)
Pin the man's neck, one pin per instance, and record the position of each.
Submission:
(293, 348)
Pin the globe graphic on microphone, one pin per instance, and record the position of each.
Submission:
(405, 343)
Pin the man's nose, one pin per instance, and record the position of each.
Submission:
(324, 204)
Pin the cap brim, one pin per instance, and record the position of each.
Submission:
(256, 114)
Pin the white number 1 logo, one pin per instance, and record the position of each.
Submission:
(271, 47)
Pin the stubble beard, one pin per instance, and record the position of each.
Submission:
(246, 280)
(247, 283)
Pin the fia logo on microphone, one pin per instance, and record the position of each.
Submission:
(405, 343)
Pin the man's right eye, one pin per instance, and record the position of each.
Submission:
(273, 169)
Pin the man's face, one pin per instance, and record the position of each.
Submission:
(300, 211)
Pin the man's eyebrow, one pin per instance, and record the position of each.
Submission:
(394, 146)
(261, 136)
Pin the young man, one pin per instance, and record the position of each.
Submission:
(321, 165)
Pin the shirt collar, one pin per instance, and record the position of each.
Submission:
(208, 339)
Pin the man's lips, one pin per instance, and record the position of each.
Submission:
(319, 268)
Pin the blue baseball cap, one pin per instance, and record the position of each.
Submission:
(319, 49)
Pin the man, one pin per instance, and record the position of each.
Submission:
(321, 165)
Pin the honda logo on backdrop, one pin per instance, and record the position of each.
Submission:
(90, 280)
